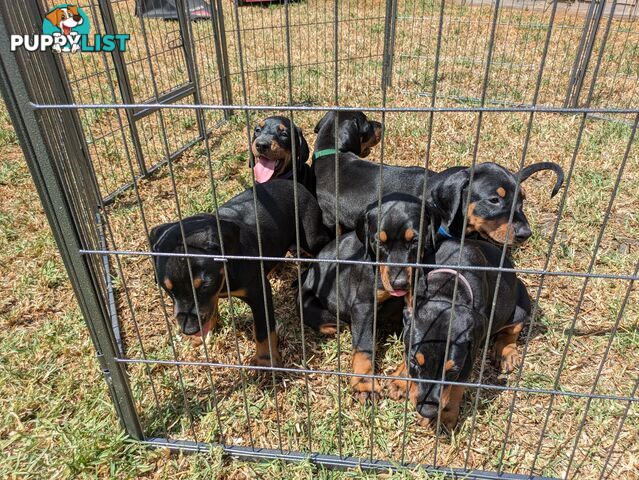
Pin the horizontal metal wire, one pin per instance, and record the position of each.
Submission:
(489, 386)
(331, 461)
(315, 108)
(221, 258)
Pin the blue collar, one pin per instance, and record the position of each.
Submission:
(444, 233)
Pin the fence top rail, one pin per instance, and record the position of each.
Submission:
(319, 108)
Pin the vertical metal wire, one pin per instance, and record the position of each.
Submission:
(294, 137)
(337, 224)
(120, 270)
(540, 287)
(136, 328)
(174, 190)
(380, 188)
(212, 182)
(614, 81)
(257, 224)
(231, 299)
(578, 307)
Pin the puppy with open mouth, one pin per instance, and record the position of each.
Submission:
(388, 233)
(272, 148)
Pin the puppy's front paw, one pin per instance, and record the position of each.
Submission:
(265, 361)
(448, 420)
(507, 360)
(397, 389)
(365, 390)
(195, 340)
(328, 329)
(364, 397)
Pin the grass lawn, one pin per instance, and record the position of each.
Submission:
(57, 419)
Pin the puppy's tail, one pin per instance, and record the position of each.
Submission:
(526, 172)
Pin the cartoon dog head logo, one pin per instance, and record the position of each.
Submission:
(69, 21)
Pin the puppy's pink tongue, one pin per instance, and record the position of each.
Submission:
(398, 293)
(264, 169)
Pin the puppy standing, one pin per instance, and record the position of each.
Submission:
(358, 179)
(426, 329)
(396, 226)
(238, 223)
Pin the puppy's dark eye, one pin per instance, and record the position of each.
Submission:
(494, 200)
(258, 129)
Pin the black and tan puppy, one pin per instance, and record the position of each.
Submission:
(358, 179)
(396, 227)
(426, 329)
(491, 199)
(276, 216)
(272, 149)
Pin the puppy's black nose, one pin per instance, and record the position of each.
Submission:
(77, 18)
(428, 410)
(400, 284)
(523, 233)
(188, 323)
(262, 146)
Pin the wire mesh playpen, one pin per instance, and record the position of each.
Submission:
(118, 142)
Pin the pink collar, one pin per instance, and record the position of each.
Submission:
(450, 271)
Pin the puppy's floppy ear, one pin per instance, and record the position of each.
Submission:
(198, 231)
(368, 127)
(407, 315)
(446, 195)
(376, 125)
(361, 229)
(230, 236)
(161, 237)
(432, 220)
(55, 17)
(250, 160)
(162, 240)
(302, 147)
(349, 137)
(479, 327)
(204, 235)
(322, 122)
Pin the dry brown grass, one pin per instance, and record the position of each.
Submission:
(519, 40)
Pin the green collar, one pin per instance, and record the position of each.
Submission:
(323, 153)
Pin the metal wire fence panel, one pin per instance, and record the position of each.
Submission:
(455, 84)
